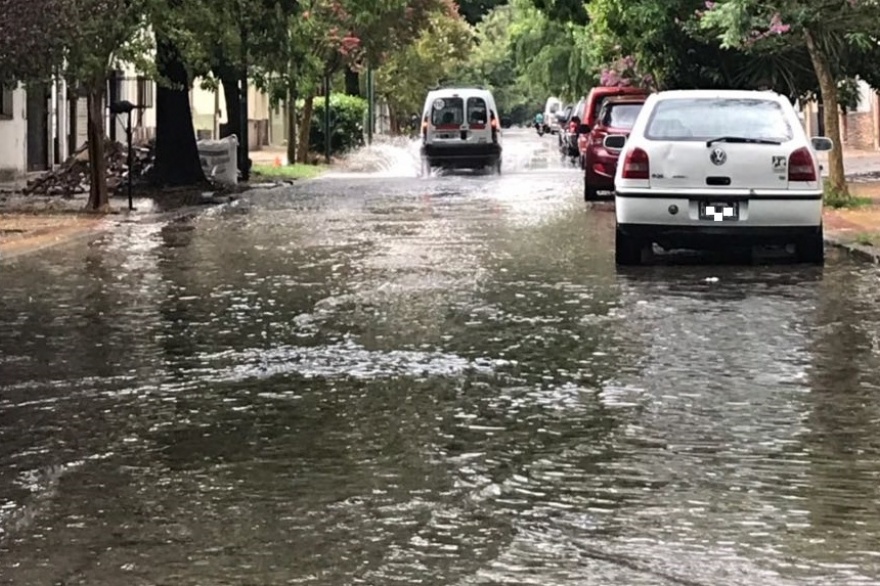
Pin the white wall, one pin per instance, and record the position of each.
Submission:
(866, 97)
(13, 136)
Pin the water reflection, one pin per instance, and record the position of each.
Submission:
(370, 382)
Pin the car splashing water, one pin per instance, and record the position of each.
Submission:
(398, 156)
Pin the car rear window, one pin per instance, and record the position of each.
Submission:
(476, 111)
(706, 118)
(447, 111)
(621, 115)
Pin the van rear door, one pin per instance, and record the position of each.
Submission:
(447, 119)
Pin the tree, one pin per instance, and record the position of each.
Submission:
(834, 34)
(474, 11)
(32, 36)
(440, 50)
(81, 40)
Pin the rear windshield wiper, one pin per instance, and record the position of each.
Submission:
(741, 139)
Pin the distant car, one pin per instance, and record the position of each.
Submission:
(551, 110)
(716, 169)
(571, 130)
(594, 101)
(617, 116)
(461, 129)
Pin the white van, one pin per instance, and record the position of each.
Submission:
(461, 130)
(552, 109)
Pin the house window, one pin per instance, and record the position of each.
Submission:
(6, 101)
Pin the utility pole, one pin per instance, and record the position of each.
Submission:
(327, 117)
(370, 105)
(244, 143)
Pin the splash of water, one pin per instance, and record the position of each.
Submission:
(388, 156)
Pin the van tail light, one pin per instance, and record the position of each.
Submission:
(494, 129)
(636, 165)
(801, 166)
(425, 128)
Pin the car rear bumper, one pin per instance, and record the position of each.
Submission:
(719, 237)
(600, 169)
(801, 209)
(461, 152)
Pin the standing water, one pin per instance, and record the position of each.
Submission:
(398, 156)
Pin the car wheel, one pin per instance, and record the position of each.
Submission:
(811, 249)
(496, 167)
(590, 193)
(426, 167)
(627, 250)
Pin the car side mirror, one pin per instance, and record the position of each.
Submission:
(584, 129)
(821, 143)
(614, 141)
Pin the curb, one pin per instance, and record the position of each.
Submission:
(861, 251)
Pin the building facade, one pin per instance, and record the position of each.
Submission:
(42, 125)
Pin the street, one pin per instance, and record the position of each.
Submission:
(377, 378)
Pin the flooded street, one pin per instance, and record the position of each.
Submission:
(375, 378)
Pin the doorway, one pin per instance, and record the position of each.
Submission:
(38, 96)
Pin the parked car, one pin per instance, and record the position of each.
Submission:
(551, 110)
(617, 116)
(563, 117)
(461, 129)
(716, 169)
(595, 99)
(571, 130)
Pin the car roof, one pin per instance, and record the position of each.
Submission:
(631, 99)
(729, 94)
(460, 90)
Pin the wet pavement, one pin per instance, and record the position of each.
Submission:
(379, 379)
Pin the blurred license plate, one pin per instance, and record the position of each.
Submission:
(446, 135)
(719, 211)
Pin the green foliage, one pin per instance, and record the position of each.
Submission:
(836, 199)
(440, 51)
(347, 116)
(288, 172)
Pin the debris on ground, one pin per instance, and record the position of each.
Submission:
(72, 176)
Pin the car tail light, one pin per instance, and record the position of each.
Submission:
(801, 166)
(636, 165)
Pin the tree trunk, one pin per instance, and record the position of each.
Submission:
(305, 126)
(98, 198)
(291, 125)
(352, 82)
(177, 155)
(229, 79)
(828, 87)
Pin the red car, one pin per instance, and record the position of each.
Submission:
(591, 106)
(616, 117)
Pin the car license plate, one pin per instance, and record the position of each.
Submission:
(446, 135)
(719, 211)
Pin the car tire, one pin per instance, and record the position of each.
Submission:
(426, 167)
(811, 249)
(496, 167)
(627, 250)
(590, 193)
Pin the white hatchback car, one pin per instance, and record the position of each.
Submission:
(716, 169)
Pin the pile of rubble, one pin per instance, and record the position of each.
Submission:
(72, 177)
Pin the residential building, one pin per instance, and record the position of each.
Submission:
(41, 125)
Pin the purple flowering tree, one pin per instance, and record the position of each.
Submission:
(827, 30)
(624, 72)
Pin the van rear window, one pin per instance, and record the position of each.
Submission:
(476, 111)
(447, 111)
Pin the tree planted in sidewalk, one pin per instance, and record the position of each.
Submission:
(79, 40)
(837, 35)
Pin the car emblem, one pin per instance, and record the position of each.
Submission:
(718, 156)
